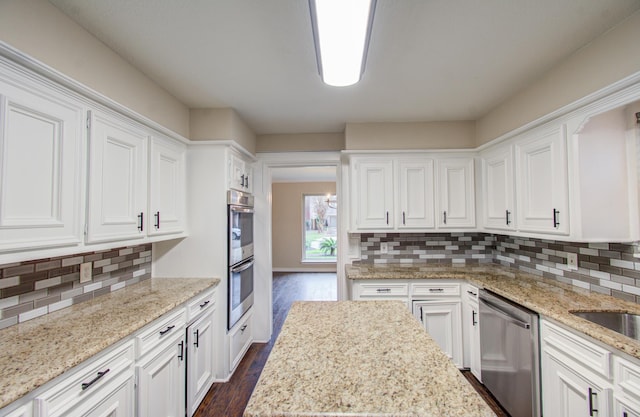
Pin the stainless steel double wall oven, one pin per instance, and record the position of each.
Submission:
(240, 244)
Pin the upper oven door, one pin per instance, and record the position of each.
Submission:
(240, 233)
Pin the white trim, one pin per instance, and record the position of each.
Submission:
(19, 61)
(624, 90)
(224, 143)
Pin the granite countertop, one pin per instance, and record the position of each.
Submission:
(359, 359)
(546, 297)
(36, 351)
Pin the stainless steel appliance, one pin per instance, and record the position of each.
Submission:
(240, 244)
(510, 358)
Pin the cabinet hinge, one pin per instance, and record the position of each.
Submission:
(86, 229)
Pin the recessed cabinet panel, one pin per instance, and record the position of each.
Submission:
(416, 194)
(441, 319)
(167, 185)
(456, 193)
(498, 188)
(375, 195)
(40, 161)
(542, 175)
(201, 344)
(118, 173)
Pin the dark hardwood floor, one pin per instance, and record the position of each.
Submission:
(230, 399)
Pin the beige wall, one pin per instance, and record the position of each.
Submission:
(287, 223)
(40, 30)
(426, 135)
(304, 142)
(221, 124)
(608, 59)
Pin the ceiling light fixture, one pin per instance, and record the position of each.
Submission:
(341, 32)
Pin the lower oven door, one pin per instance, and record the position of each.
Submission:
(240, 290)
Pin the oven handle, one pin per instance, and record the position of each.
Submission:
(242, 267)
(238, 209)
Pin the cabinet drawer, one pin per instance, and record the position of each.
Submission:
(628, 377)
(200, 304)
(83, 383)
(241, 338)
(390, 289)
(576, 348)
(436, 289)
(159, 330)
(471, 292)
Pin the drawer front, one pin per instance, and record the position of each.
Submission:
(390, 289)
(200, 304)
(576, 348)
(160, 330)
(435, 289)
(83, 383)
(628, 377)
(241, 338)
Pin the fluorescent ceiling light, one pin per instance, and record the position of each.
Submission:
(341, 30)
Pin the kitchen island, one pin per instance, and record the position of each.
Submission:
(359, 359)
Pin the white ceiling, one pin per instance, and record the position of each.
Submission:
(429, 60)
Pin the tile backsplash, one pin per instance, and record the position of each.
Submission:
(608, 268)
(34, 288)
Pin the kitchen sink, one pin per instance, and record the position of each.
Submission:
(623, 323)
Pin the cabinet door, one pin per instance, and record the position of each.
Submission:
(161, 381)
(497, 179)
(442, 320)
(456, 198)
(40, 170)
(568, 392)
(474, 340)
(624, 407)
(200, 361)
(374, 195)
(118, 180)
(166, 187)
(416, 194)
(240, 174)
(116, 400)
(542, 183)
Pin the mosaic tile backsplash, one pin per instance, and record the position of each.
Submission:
(608, 268)
(34, 288)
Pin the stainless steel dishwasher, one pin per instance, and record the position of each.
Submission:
(510, 359)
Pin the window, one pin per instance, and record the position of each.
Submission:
(320, 228)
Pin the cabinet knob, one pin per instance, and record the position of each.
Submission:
(157, 216)
(141, 222)
(197, 335)
(181, 354)
(243, 328)
(167, 330)
(507, 213)
(591, 395)
(444, 217)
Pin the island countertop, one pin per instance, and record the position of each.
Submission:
(38, 350)
(359, 359)
(545, 296)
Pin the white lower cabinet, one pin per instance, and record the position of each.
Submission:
(161, 379)
(200, 360)
(471, 329)
(576, 374)
(101, 387)
(442, 320)
(22, 411)
(241, 336)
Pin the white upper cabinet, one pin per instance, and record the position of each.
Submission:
(456, 196)
(40, 169)
(240, 173)
(416, 195)
(166, 187)
(541, 170)
(117, 180)
(374, 194)
(400, 192)
(498, 188)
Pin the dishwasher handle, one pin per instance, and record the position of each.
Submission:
(505, 314)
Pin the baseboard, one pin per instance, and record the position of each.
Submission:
(309, 269)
